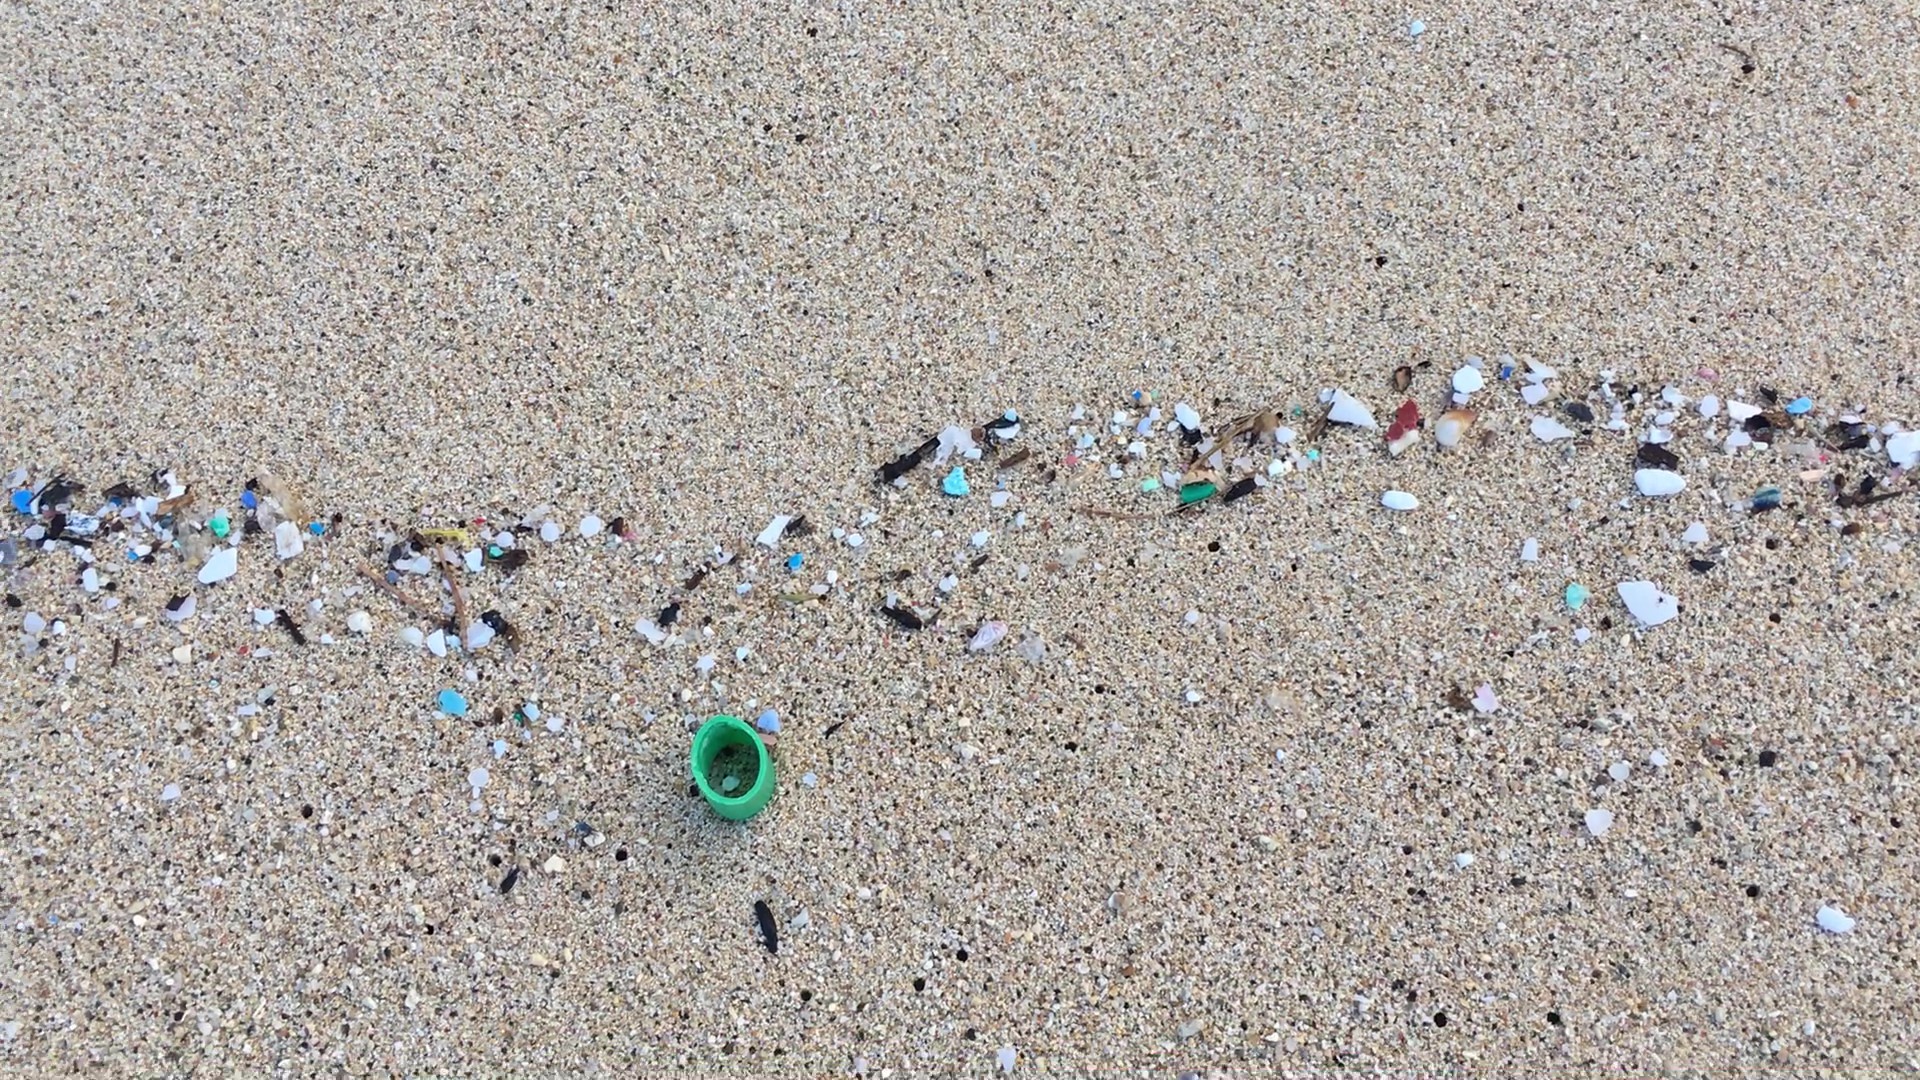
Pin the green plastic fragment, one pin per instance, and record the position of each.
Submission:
(1194, 492)
(1150, 484)
(1576, 596)
(220, 525)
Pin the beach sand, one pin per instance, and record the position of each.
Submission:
(693, 268)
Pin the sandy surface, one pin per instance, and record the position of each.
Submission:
(694, 268)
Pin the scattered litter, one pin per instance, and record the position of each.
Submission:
(1485, 700)
(768, 722)
(1530, 550)
(1404, 432)
(1834, 921)
(956, 483)
(1619, 771)
(1468, 380)
(1696, 533)
(170, 793)
(1004, 1058)
(550, 531)
(1800, 406)
(769, 933)
(1658, 759)
(220, 566)
(452, 703)
(1767, 498)
(1656, 483)
(591, 526)
(1344, 408)
(1463, 860)
(287, 541)
(1399, 500)
(1547, 429)
(989, 635)
(1904, 449)
(1452, 426)
(1647, 603)
(1576, 596)
(1599, 821)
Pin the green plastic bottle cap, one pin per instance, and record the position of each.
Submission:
(732, 768)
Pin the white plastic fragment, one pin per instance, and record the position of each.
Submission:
(1834, 921)
(591, 526)
(360, 622)
(1463, 860)
(769, 537)
(1710, 406)
(1534, 393)
(1547, 429)
(1399, 500)
(1599, 821)
(1186, 417)
(220, 566)
(437, 643)
(550, 531)
(1485, 700)
(1004, 1058)
(1468, 380)
(478, 635)
(287, 541)
(34, 622)
(170, 793)
(1696, 533)
(1658, 759)
(1647, 603)
(1530, 550)
(1741, 412)
(1347, 409)
(1904, 449)
(412, 636)
(264, 616)
(1657, 483)
(987, 636)
(653, 634)
(1619, 771)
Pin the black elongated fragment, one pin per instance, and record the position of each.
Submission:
(769, 933)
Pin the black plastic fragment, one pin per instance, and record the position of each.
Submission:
(507, 883)
(769, 933)
(906, 619)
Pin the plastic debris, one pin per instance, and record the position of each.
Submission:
(1186, 417)
(1463, 860)
(360, 622)
(1834, 921)
(287, 541)
(1903, 449)
(550, 531)
(1004, 1059)
(1619, 772)
(1599, 821)
(1767, 498)
(1404, 432)
(1576, 596)
(23, 501)
(1647, 603)
(1485, 700)
(1530, 550)
(956, 483)
(1547, 429)
(591, 526)
(1196, 492)
(1800, 406)
(1696, 533)
(218, 525)
(170, 793)
(1399, 500)
(1452, 426)
(796, 560)
(769, 537)
(768, 722)
(989, 635)
(1468, 380)
(221, 565)
(1657, 483)
(452, 703)
(1344, 408)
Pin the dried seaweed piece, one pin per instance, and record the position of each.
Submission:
(506, 883)
(1018, 457)
(512, 559)
(1657, 456)
(906, 619)
(1459, 699)
(769, 933)
(121, 492)
(175, 504)
(698, 576)
(292, 628)
(799, 527)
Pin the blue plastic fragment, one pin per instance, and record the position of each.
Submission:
(768, 722)
(1506, 372)
(956, 483)
(1800, 406)
(452, 703)
(23, 501)
(1766, 499)
(794, 560)
(249, 500)
(316, 528)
